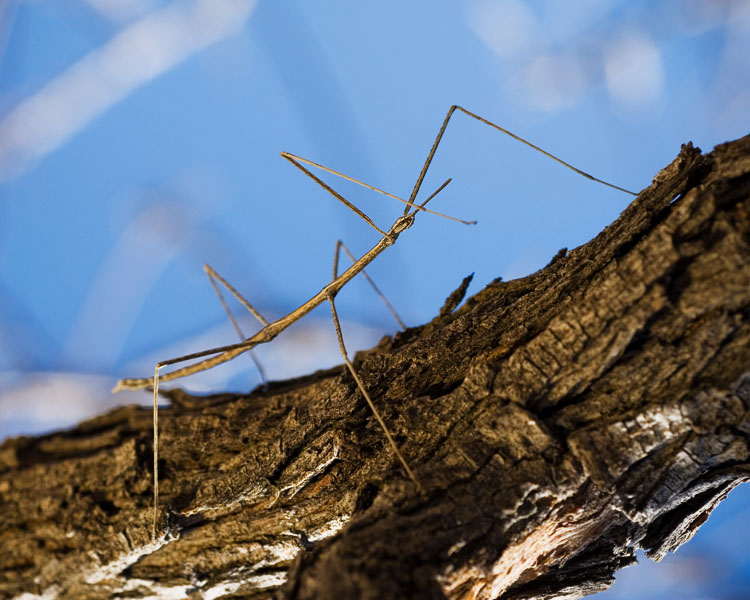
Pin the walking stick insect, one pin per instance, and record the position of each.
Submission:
(327, 294)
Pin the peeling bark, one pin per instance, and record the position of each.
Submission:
(557, 423)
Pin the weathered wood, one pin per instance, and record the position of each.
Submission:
(557, 423)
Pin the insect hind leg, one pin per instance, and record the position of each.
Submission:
(215, 279)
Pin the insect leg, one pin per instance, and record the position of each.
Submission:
(369, 401)
(213, 277)
(341, 246)
(439, 137)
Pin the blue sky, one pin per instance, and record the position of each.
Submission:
(141, 138)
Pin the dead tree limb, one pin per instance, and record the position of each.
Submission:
(557, 423)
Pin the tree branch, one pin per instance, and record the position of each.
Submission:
(557, 423)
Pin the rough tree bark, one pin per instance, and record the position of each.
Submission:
(557, 423)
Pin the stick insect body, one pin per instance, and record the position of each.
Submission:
(327, 293)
